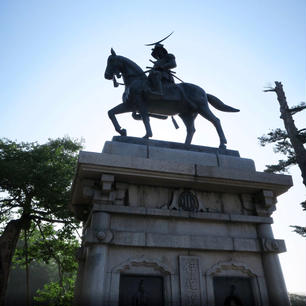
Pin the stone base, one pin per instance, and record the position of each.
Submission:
(169, 224)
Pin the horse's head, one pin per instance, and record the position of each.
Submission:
(113, 66)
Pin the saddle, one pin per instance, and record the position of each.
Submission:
(171, 92)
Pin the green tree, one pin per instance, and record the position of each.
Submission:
(39, 275)
(297, 300)
(35, 183)
(56, 247)
(55, 294)
(290, 142)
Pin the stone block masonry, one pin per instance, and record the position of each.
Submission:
(170, 224)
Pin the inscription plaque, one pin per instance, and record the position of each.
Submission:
(190, 281)
(141, 290)
(233, 291)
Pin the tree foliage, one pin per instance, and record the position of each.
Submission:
(297, 300)
(50, 246)
(56, 247)
(283, 145)
(56, 294)
(36, 178)
(301, 230)
(35, 183)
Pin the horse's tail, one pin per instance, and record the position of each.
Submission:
(218, 104)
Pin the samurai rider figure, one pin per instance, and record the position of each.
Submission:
(161, 74)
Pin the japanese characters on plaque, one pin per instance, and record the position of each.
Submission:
(190, 280)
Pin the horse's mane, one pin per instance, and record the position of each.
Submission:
(132, 65)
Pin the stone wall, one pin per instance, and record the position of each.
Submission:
(195, 222)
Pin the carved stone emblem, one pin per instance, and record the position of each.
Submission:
(94, 237)
(188, 201)
(273, 245)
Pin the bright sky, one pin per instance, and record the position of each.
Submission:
(53, 56)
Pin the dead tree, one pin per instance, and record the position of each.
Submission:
(293, 133)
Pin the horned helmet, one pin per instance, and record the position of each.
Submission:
(159, 51)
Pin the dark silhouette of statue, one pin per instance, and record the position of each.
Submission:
(140, 298)
(232, 299)
(168, 99)
(161, 74)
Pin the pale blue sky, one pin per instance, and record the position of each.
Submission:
(53, 56)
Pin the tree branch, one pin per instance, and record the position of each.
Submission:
(76, 229)
(269, 89)
(50, 220)
(3, 211)
(298, 108)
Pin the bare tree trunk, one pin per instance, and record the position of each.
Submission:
(291, 129)
(8, 242)
(27, 268)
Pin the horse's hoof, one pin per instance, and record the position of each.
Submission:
(147, 136)
(222, 146)
(123, 132)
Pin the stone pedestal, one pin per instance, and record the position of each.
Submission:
(169, 224)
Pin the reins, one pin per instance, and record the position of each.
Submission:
(116, 84)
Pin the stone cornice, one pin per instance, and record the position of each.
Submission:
(165, 213)
(173, 241)
(171, 173)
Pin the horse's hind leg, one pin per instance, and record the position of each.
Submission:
(119, 109)
(188, 119)
(207, 114)
(146, 121)
(145, 118)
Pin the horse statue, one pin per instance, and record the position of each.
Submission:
(184, 99)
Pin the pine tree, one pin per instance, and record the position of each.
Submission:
(289, 142)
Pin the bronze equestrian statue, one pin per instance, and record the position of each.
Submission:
(158, 96)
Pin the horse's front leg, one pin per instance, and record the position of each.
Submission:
(119, 109)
